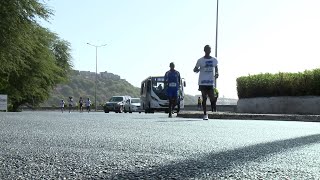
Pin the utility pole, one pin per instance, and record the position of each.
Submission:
(95, 84)
(216, 45)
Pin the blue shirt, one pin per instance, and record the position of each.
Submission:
(172, 78)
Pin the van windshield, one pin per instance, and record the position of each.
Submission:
(135, 100)
(116, 99)
(158, 87)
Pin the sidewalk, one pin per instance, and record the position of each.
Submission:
(247, 116)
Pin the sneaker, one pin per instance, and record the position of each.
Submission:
(170, 116)
(205, 117)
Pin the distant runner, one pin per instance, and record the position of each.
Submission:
(208, 68)
(81, 104)
(70, 103)
(62, 105)
(88, 104)
(172, 82)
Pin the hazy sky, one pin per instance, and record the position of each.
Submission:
(144, 36)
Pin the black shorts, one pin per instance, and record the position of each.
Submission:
(205, 88)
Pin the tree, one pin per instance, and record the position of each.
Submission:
(34, 59)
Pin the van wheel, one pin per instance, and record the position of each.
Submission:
(148, 110)
(121, 109)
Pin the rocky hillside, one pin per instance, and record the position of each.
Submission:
(82, 84)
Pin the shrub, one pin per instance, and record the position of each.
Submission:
(305, 83)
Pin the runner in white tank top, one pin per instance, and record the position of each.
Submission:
(208, 68)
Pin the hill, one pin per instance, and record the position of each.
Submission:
(82, 84)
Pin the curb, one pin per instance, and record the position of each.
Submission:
(247, 116)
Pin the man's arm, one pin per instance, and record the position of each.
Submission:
(179, 78)
(196, 69)
(216, 72)
(166, 79)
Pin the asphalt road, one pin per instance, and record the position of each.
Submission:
(52, 145)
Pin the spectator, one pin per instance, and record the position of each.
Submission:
(199, 103)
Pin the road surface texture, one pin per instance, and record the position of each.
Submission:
(55, 145)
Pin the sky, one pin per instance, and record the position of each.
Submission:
(144, 36)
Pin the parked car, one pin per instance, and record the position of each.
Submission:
(133, 105)
(116, 104)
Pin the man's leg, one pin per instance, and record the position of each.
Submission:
(204, 104)
(170, 107)
(178, 105)
(174, 99)
(213, 101)
(174, 103)
(204, 101)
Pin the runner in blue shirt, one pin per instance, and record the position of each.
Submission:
(172, 82)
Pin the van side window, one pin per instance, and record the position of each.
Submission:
(142, 89)
(148, 86)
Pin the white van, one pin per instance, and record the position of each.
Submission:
(132, 105)
(116, 104)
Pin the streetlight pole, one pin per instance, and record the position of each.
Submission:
(217, 18)
(95, 84)
(216, 45)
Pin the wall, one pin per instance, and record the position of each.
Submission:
(280, 105)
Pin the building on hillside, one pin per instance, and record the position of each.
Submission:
(85, 73)
(88, 74)
(92, 75)
(109, 75)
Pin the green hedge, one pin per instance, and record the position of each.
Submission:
(305, 83)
